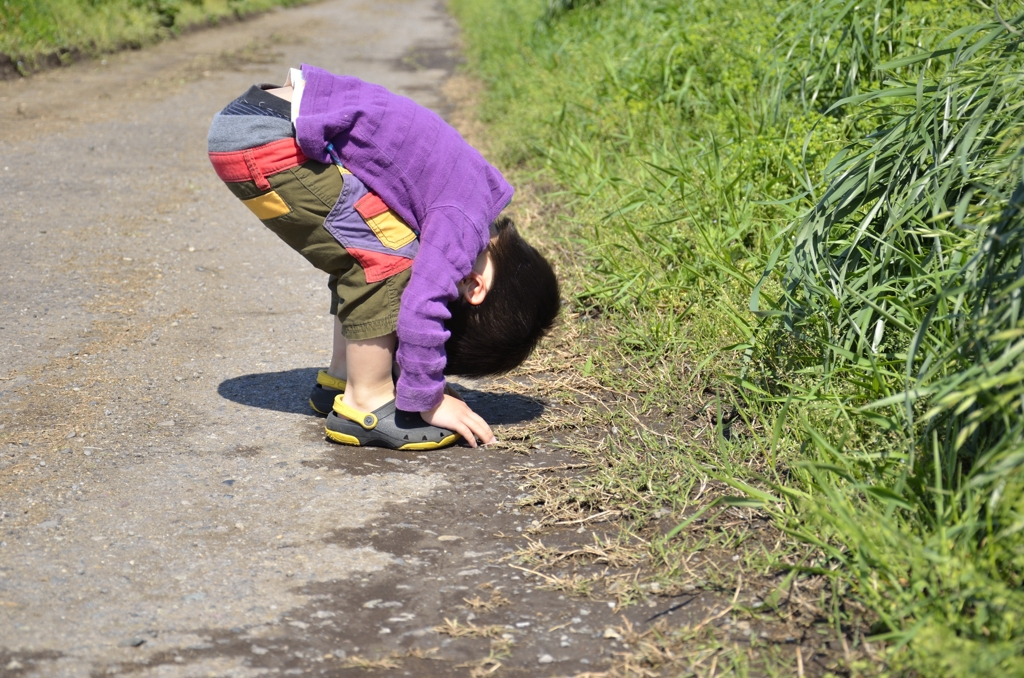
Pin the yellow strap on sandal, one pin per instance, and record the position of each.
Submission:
(327, 380)
(367, 420)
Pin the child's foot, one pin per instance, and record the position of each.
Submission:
(386, 427)
(321, 399)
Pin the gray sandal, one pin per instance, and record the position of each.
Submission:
(386, 427)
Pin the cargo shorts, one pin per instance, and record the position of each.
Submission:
(293, 196)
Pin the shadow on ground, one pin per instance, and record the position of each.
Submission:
(285, 391)
(288, 391)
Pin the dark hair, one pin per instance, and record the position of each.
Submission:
(520, 307)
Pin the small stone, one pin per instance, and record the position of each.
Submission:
(448, 537)
(469, 573)
(370, 604)
(71, 435)
(384, 631)
(545, 659)
(132, 642)
(256, 649)
(611, 634)
(13, 665)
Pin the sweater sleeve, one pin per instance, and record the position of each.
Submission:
(449, 245)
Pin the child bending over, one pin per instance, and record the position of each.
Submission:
(402, 213)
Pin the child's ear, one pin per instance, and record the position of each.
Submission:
(473, 288)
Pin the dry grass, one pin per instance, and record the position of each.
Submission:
(365, 663)
(500, 649)
(420, 653)
(452, 628)
(605, 551)
(478, 604)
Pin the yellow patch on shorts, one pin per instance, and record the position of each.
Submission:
(267, 206)
(391, 230)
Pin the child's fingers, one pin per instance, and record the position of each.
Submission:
(477, 425)
(467, 434)
(481, 430)
(479, 433)
(471, 427)
(457, 416)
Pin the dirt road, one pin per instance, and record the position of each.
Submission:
(168, 506)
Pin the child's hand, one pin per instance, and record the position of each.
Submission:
(455, 415)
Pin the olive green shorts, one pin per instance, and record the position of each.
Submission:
(366, 310)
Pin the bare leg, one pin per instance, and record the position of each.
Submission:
(369, 372)
(339, 362)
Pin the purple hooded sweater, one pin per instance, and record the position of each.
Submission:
(427, 173)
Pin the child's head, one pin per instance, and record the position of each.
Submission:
(499, 333)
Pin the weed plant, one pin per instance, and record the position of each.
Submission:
(32, 31)
(811, 208)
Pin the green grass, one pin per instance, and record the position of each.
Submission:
(805, 216)
(31, 31)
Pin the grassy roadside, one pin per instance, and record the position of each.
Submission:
(791, 239)
(40, 33)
